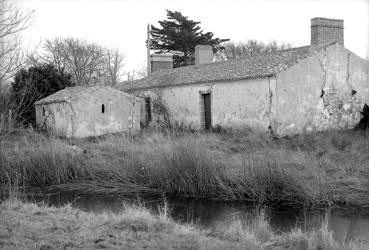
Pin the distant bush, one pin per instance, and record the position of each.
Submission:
(33, 84)
(6, 121)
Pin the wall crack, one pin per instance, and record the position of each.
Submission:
(269, 114)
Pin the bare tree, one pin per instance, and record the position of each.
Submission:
(113, 63)
(82, 59)
(87, 62)
(12, 21)
(136, 74)
(251, 47)
(56, 52)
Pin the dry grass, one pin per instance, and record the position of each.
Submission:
(31, 226)
(307, 170)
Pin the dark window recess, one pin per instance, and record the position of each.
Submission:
(43, 111)
(207, 111)
(148, 109)
(103, 108)
(322, 93)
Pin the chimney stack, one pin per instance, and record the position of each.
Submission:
(325, 31)
(203, 54)
(160, 62)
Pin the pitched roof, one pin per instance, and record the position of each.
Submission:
(71, 94)
(256, 66)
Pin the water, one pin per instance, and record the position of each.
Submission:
(345, 223)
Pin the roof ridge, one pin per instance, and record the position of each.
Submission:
(256, 66)
(173, 70)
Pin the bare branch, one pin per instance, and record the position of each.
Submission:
(12, 21)
(112, 66)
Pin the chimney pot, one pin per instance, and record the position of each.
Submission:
(203, 54)
(325, 31)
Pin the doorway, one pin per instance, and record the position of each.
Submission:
(207, 110)
(148, 110)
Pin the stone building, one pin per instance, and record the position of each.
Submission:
(88, 111)
(310, 88)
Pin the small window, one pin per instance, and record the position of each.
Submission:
(103, 108)
(148, 109)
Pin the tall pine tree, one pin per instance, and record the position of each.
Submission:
(180, 35)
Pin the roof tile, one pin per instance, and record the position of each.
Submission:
(256, 66)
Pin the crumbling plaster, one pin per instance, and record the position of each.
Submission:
(327, 90)
(233, 103)
(57, 117)
(84, 117)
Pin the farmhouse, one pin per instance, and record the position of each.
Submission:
(88, 111)
(310, 88)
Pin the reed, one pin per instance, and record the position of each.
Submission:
(312, 170)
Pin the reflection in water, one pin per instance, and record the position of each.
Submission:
(345, 223)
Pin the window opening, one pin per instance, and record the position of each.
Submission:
(103, 108)
(148, 109)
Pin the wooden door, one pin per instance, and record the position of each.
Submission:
(207, 111)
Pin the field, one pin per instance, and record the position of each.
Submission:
(32, 226)
(312, 170)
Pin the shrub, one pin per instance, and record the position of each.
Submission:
(33, 84)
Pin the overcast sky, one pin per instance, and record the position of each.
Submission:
(122, 23)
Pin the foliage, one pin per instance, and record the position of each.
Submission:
(364, 122)
(251, 47)
(33, 84)
(7, 123)
(180, 34)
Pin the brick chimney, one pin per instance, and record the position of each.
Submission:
(324, 31)
(161, 61)
(203, 54)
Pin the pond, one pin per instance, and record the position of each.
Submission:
(346, 223)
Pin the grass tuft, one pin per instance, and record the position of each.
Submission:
(313, 170)
(28, 225)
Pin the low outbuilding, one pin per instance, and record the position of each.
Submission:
(88, 111)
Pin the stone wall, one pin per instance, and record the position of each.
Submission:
(56, 118)
(96, 114)
(324, 91)
(233, 103)
(327, 90)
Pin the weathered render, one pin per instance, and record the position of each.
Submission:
(232, 105)
(88, 111)
(303, 89)
(326, 90)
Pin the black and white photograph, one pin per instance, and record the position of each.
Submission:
(184, 124)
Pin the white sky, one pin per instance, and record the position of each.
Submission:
(122, 23)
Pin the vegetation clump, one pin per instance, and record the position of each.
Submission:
(315, 170)
(28, 225)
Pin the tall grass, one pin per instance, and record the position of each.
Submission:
(26, 224)
(35, 160)
(308, 170)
